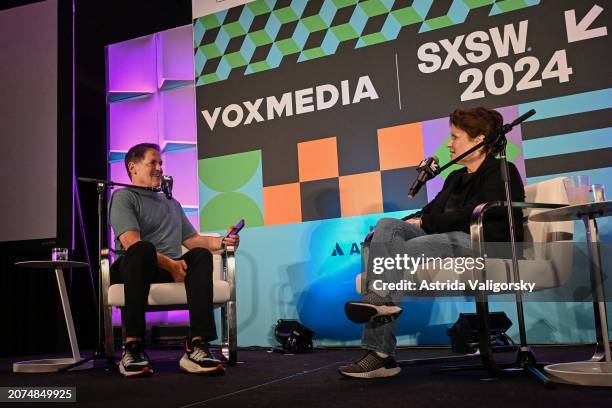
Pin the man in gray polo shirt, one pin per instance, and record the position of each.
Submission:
(151, 229)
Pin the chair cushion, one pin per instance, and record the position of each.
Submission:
(168, 294)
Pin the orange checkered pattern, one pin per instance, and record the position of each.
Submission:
(322, 192)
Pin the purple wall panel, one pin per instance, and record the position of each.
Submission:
(177, 114)
(131, 66)
(133, 121)
(118, 173)
(178, 317)
(175, 54)
(181, 166)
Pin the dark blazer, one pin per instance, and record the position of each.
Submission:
(483, 186)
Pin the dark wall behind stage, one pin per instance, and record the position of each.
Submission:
(30, 303)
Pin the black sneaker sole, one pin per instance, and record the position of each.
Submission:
(365, 313)
(145, 372)
(213, 371)
(191, 367)
(378, 373)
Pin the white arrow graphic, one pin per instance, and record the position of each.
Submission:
(581, 31)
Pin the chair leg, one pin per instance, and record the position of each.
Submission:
(123, 328)
(233, 333)
(224, 333)
(229, 332)
(109, 339)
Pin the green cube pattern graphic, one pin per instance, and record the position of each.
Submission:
(259, 23)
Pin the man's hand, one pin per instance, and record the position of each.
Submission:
(211, 243)
(233, 240)
(177, 270)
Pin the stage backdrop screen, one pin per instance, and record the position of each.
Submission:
(28, 106)
(313, 115)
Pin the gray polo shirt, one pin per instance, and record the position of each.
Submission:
(160, 221)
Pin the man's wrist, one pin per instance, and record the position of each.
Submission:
(221, 244)
(164, 262)
(416, 221)
(421, 220)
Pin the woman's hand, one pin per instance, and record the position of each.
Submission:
(414, 221)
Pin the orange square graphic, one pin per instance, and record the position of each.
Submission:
(361, 194)
(282, 204)
(400, 146)
(318, 159)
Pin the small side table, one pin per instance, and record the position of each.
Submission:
(594, 371)
(55, 364)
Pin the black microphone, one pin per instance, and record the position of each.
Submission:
(523, 117)
(427, 169)
(166, 186)
(89, 180)
(508, 127)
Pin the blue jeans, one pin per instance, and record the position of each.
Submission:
(401, 237)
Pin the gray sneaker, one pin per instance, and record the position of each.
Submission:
(372, 308)
(371, 365)
(134, 361)
(198, 359)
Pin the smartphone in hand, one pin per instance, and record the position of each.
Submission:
(239, 226)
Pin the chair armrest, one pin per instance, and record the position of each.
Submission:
(477, 217)
(229, 269)
(208, 234)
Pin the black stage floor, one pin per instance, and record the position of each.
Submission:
(265, 379)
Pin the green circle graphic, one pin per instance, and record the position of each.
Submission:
(227, 209)
(229, 173)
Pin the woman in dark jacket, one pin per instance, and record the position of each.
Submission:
(441, 230)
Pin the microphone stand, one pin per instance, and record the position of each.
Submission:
(499, 138)
(101, 187)
(525, 361)
(107, 184)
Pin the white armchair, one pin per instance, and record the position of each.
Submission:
(172, 296)
(548, 266)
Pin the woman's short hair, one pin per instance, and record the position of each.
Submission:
(137, 153)
(478, 121)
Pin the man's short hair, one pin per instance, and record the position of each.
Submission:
(137, 153)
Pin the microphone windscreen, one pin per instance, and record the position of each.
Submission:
(166, 186)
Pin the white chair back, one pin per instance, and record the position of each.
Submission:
(551, 239)
(548, 192)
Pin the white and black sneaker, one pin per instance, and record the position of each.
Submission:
(198, 359)
(134, 361)
(371, 365)
(372, 309)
